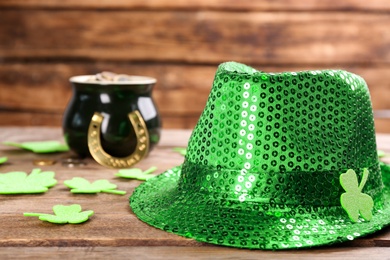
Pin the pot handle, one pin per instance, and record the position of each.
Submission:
(103, 158)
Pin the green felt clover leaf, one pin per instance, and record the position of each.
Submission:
(64, 214)
(3, 160)
(41, 147)
(381, 154)
(81, 185)
(136, 173)
(21, 183)
(353, 200)
(182, 151)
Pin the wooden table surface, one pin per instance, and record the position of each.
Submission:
(114, 232)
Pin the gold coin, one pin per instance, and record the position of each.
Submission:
(73, 162)
(108, 76)
(99, 77)
(122, 77)
(43, 162)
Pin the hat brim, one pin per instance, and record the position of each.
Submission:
(200, 216)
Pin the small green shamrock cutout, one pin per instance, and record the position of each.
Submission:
(3, 160)
(21, 183)
(81, 185)
(41, 146)
(381, 154)
(182, 151)
(64, 214)
(136, 173)
(353, 200)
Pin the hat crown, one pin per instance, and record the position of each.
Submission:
(308, 126)
(276, 161)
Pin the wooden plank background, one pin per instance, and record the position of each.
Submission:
(181, 43)
(114, 231)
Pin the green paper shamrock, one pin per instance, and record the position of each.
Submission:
(41, 147)
(81, 185)
(3, 160)
(136, 173)
(381, 154)
(182, 151)
(21, 183)
(353, 200)
(64, 214)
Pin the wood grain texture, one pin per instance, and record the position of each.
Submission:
(44, 42)
(113, 224)
(180, 89)
(27, 118)
(291, 5)
(40, 91)
(22, 118)
(187, 252)
(203, 37)
(114, 232)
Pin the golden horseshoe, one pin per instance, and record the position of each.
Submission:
(103, 158)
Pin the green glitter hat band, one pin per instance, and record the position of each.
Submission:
(280, 160)
(264, 188)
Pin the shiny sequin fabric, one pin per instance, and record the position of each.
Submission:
(263, 164)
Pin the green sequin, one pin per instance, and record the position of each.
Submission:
(263, 163)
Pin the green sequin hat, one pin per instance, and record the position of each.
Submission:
(276, 161)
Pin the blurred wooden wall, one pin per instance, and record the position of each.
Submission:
(181, 43)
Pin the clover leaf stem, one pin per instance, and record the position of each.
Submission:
(364, 179)
(119, 192)
(150, 170)
(31, 214)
